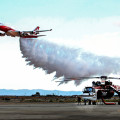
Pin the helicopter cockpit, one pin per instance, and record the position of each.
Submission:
(88, 90)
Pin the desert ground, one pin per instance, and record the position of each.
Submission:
(58, 111)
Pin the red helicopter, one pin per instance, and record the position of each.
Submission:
(103, 89)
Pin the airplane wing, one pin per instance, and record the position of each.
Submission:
(25, 34)
(41, 35)
(43, 30)
(37, 31)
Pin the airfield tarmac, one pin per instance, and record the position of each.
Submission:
(58, 111)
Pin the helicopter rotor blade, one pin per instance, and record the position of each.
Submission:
(82, 78)
(113, 78)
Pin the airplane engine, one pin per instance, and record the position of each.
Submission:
(36, 32)
(2, 34)
(33, 32)
(22, 34)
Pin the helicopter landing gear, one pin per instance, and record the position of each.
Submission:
(94, 102)
(119, 101)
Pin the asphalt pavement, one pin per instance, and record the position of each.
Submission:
(59, 111)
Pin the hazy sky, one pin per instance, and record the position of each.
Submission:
(93, 25)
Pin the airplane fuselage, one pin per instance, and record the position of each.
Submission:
(24, 34)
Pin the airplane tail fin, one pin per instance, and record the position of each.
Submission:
(36, 29)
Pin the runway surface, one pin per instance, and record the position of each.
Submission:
(56, 111)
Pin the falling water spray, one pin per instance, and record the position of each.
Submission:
(65, 61)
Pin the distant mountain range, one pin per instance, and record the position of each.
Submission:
(26, 92)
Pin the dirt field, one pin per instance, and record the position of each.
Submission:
(58, 111)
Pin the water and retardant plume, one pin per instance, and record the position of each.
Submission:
(66, 61)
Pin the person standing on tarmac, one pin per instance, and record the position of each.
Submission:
(79, 100)
(85, 101)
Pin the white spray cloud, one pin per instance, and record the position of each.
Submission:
(97, 35)
(68, 62)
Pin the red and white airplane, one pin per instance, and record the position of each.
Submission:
(5, 30)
